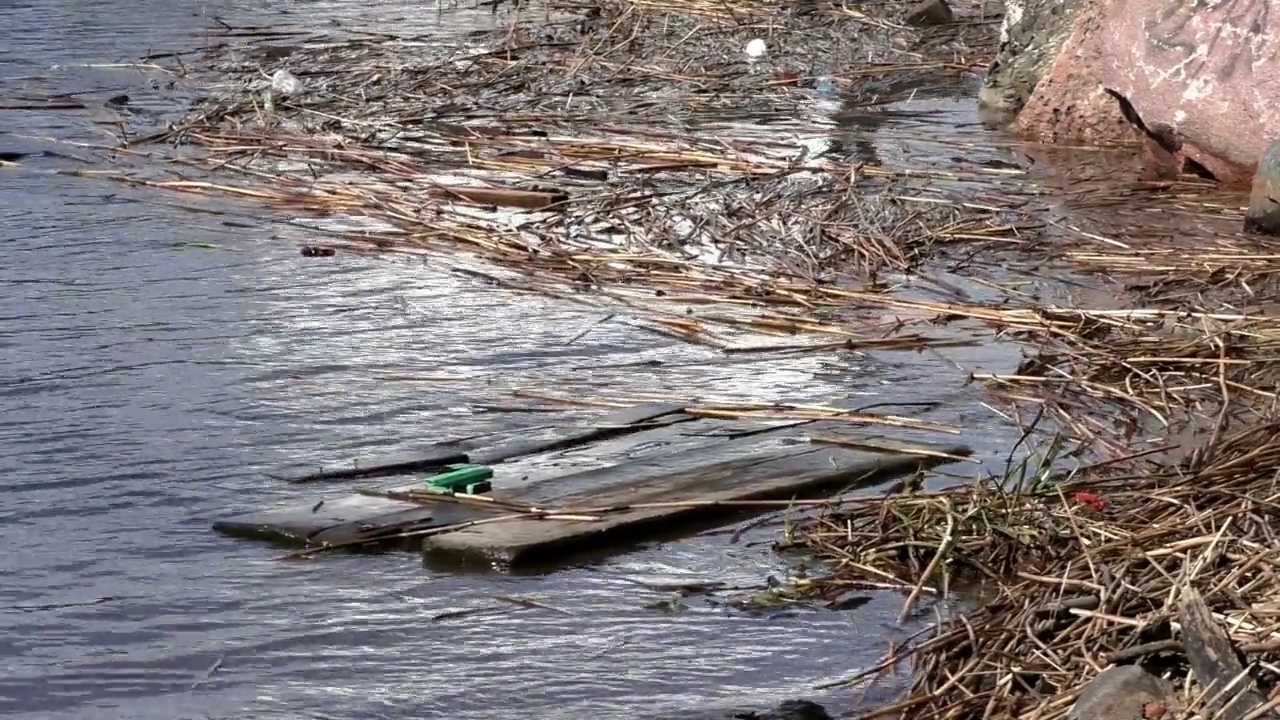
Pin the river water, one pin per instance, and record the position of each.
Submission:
(157, 360)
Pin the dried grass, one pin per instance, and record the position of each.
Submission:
(1075, 572)
(623, 152)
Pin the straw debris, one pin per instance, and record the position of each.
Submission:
(619, 152)
(1076, 573)
(629, 154)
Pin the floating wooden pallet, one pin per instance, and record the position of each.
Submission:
(657, 494)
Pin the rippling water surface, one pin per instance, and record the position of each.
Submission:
(156, 361)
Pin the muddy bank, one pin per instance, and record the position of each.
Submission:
(1195, 83)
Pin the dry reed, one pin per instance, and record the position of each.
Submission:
(625, 153)
(1075, 573)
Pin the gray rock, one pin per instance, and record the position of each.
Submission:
(1033, 33)
(786, 710)
(792, 710)
(1119, 693)
(929, 12)
(1263, 216)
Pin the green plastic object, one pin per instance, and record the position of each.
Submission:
(461, 480)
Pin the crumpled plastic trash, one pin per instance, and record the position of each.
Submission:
(756, 49)
(284, 83)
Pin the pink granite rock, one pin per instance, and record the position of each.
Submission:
(1069, 102)
(1207, 72)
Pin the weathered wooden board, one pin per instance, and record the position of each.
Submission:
(798, 471)
(343, 519)
(1232, 693)
(401, 464)
(346, 519)
(441, 454)
(300, 523)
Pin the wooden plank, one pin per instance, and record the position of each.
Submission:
(621, 422)
(341, 519)
(299, 523)
(346, 519)
(416, 517)
(437, 456)
(1233, 693)
(401, 464)
(798, 471)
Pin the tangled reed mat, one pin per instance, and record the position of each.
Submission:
(625, 154)
(1076, 573)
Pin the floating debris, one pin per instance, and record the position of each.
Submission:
(654, 187)
(283, 83)
(1078, 571)
(626, 157)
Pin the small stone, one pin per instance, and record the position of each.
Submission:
(929, 12)
(1122, 693)
(1154, 710)
(284, 83)
(796, 710)
(1263, 216)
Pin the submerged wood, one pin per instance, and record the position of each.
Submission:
(752, 470)
(642, 498)
(346, 519)
(1230, 692)
(618, 423)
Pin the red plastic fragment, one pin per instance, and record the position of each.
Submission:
(1093, 500)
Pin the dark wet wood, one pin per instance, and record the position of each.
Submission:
(623, 422)
(344, 519)
(300, 523)
(416, 518)
(502, 197)
(1214, 661)
(349, 519)
(386, 466)
(437, 456)
(799, 471)
(721, 460)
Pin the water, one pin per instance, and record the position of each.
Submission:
(157, 359)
